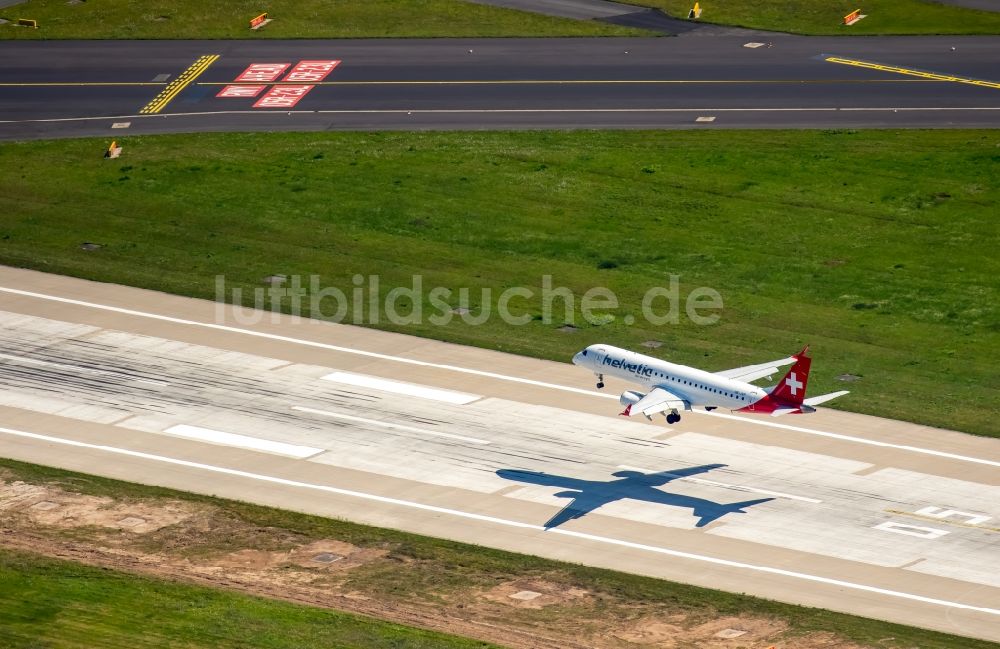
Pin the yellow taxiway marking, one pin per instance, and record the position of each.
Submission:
(931, 76)
(175, 87)
(46, 84)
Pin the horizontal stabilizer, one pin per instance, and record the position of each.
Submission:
(815, 401)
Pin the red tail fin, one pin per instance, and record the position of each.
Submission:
(792, 389)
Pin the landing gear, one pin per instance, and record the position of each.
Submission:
(600, 381)
(673, 417)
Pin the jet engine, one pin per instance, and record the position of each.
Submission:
(630, 397)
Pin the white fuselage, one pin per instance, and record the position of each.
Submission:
(698, 387)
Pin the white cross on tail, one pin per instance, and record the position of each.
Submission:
(793, 384)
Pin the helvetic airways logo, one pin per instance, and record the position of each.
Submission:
(252, 81)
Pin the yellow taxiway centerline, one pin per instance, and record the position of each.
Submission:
(175, 87)
(930, 76)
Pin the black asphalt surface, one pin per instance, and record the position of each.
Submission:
(507, 83)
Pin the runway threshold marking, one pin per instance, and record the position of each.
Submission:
(175, 87)
(931, 76)
(483, 373)
(503, 521)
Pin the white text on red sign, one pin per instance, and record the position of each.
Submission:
(311, 71)
(240, 91)
(263, 72)
(282, 96)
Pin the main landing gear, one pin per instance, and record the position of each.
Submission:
(673, 417)
(600, 381)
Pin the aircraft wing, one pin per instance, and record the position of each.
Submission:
(750, 373)
(659, 400)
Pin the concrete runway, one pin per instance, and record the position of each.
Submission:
(60, 88)
(843, 511)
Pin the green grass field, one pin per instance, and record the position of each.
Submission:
(876, 247)
(437, 18)
(824, 17)
(47, 603)
(51, 603)
(292, 19)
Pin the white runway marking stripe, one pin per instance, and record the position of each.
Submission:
(386, 424)
(465, 370)
(399, 387)
(726, 485)
(508, 523)
(222, 438)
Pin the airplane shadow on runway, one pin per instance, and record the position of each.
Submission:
(588, 495)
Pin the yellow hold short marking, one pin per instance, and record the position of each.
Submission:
(175, 87)
(913, 73)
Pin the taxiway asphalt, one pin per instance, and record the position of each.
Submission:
(849, 512)
(66, 88)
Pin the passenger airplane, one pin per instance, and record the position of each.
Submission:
(672, 388)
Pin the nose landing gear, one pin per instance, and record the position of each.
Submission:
(600, 381)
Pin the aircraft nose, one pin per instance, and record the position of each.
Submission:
(578, 358)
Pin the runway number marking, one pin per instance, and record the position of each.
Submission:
(939, 513)
(284, 93)
(911, 530)
(913, 73)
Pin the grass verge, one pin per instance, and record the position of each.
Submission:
(142, 19)
(70, 606)
(819, 17)
(876, 247)
(51, 603)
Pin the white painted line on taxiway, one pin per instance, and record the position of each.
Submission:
(492, 375)
(386, 424)
(508, 523)
(477, 111)
(399, 387)
(221, 438)
(713, 483)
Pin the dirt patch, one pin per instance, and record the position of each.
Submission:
(650, 631)
(534, 594)
(49, 505)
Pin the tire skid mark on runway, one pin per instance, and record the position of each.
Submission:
(482, 373)
(503, 522)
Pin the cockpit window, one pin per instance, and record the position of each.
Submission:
(585, 352)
